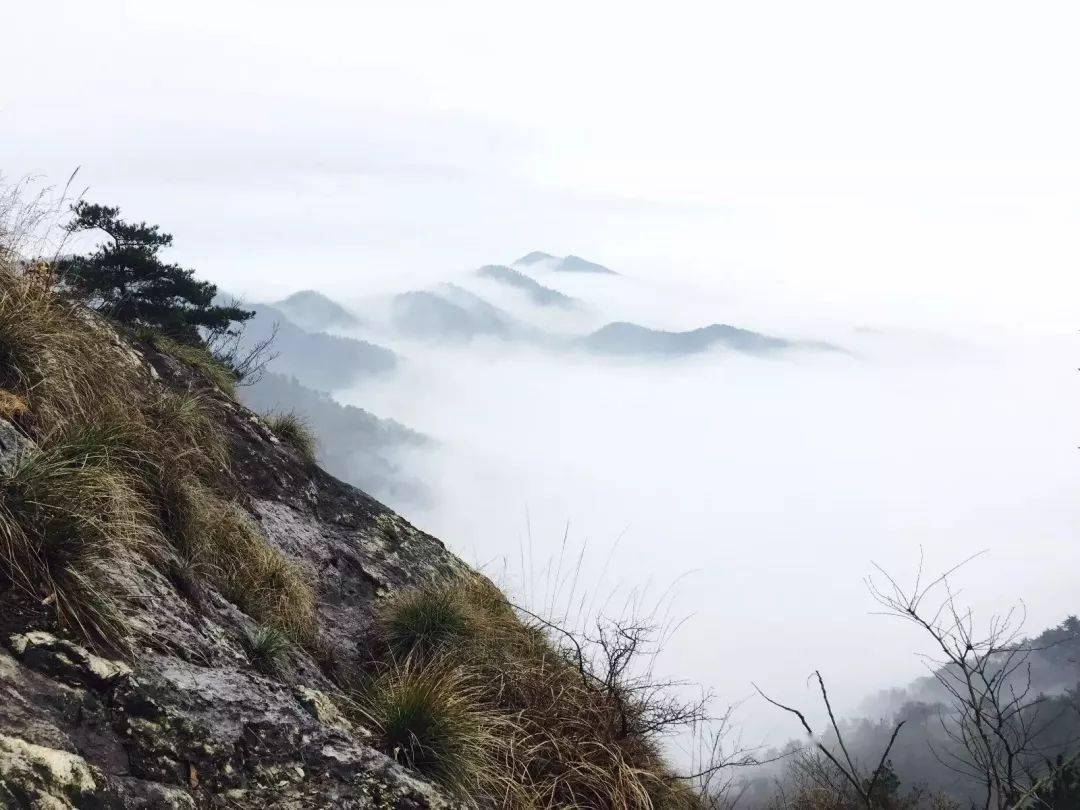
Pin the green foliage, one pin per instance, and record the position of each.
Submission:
(295, 431)
(267, 647)
(126, 279)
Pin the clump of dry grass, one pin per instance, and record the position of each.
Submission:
(426, 621)
(295, 431)
(197, 357)
(432, 718)
(186, 423)
(121, 463)
(566, 739)
(223, 544)
(12, 406)
(75, 529)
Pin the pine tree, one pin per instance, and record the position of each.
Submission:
(125, 278)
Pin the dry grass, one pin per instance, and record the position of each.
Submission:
(424, 622)
(222, 543)
(12, 406)
(74, 530)
(198, 358)
(121, 463)
(432, 718)
(295, 431)
(563, 739)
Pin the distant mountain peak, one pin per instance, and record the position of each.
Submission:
(565, 264)
(631, 338)
(315, 311)
(450, 312)
(536, 256)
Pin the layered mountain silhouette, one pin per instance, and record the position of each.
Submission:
(564, 264)
(450, 312)
(537, 293)
(315, 312)
(633, 339)
(326, 362)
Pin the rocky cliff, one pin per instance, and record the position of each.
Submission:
(185, 719)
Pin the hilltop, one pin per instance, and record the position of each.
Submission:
(630, 338)
(314, 311)
(563, 264)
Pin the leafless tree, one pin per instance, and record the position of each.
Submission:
(849, 775)
(617, 660)
(249, 361)
(995, 723)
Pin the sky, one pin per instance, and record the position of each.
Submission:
(912, 170)
(917, 158)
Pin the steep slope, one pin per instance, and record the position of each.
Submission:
(193, 614)
(355, 445)
(176, 712)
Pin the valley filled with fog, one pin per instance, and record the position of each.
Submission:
(742, 481)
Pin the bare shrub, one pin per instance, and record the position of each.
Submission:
(996, 725)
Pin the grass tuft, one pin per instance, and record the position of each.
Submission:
(431, 719)
(267, 647)
(428, 621)
(74, 531)
(223, 543)
(296, 432)
(198, 358)
(12, 406)
(460, 648)
(185, 422)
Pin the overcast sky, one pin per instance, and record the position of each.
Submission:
(902, 161)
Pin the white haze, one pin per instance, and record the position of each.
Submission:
(770, 483)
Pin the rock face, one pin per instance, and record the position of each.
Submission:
(187, 721)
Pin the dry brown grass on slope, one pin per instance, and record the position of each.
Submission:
(295, 431)
(74, 529)
(563, 741)
(197, 357)
(120, 463)
(225, 547)
(432, 717)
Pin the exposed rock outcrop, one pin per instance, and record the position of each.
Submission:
(187, 721)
